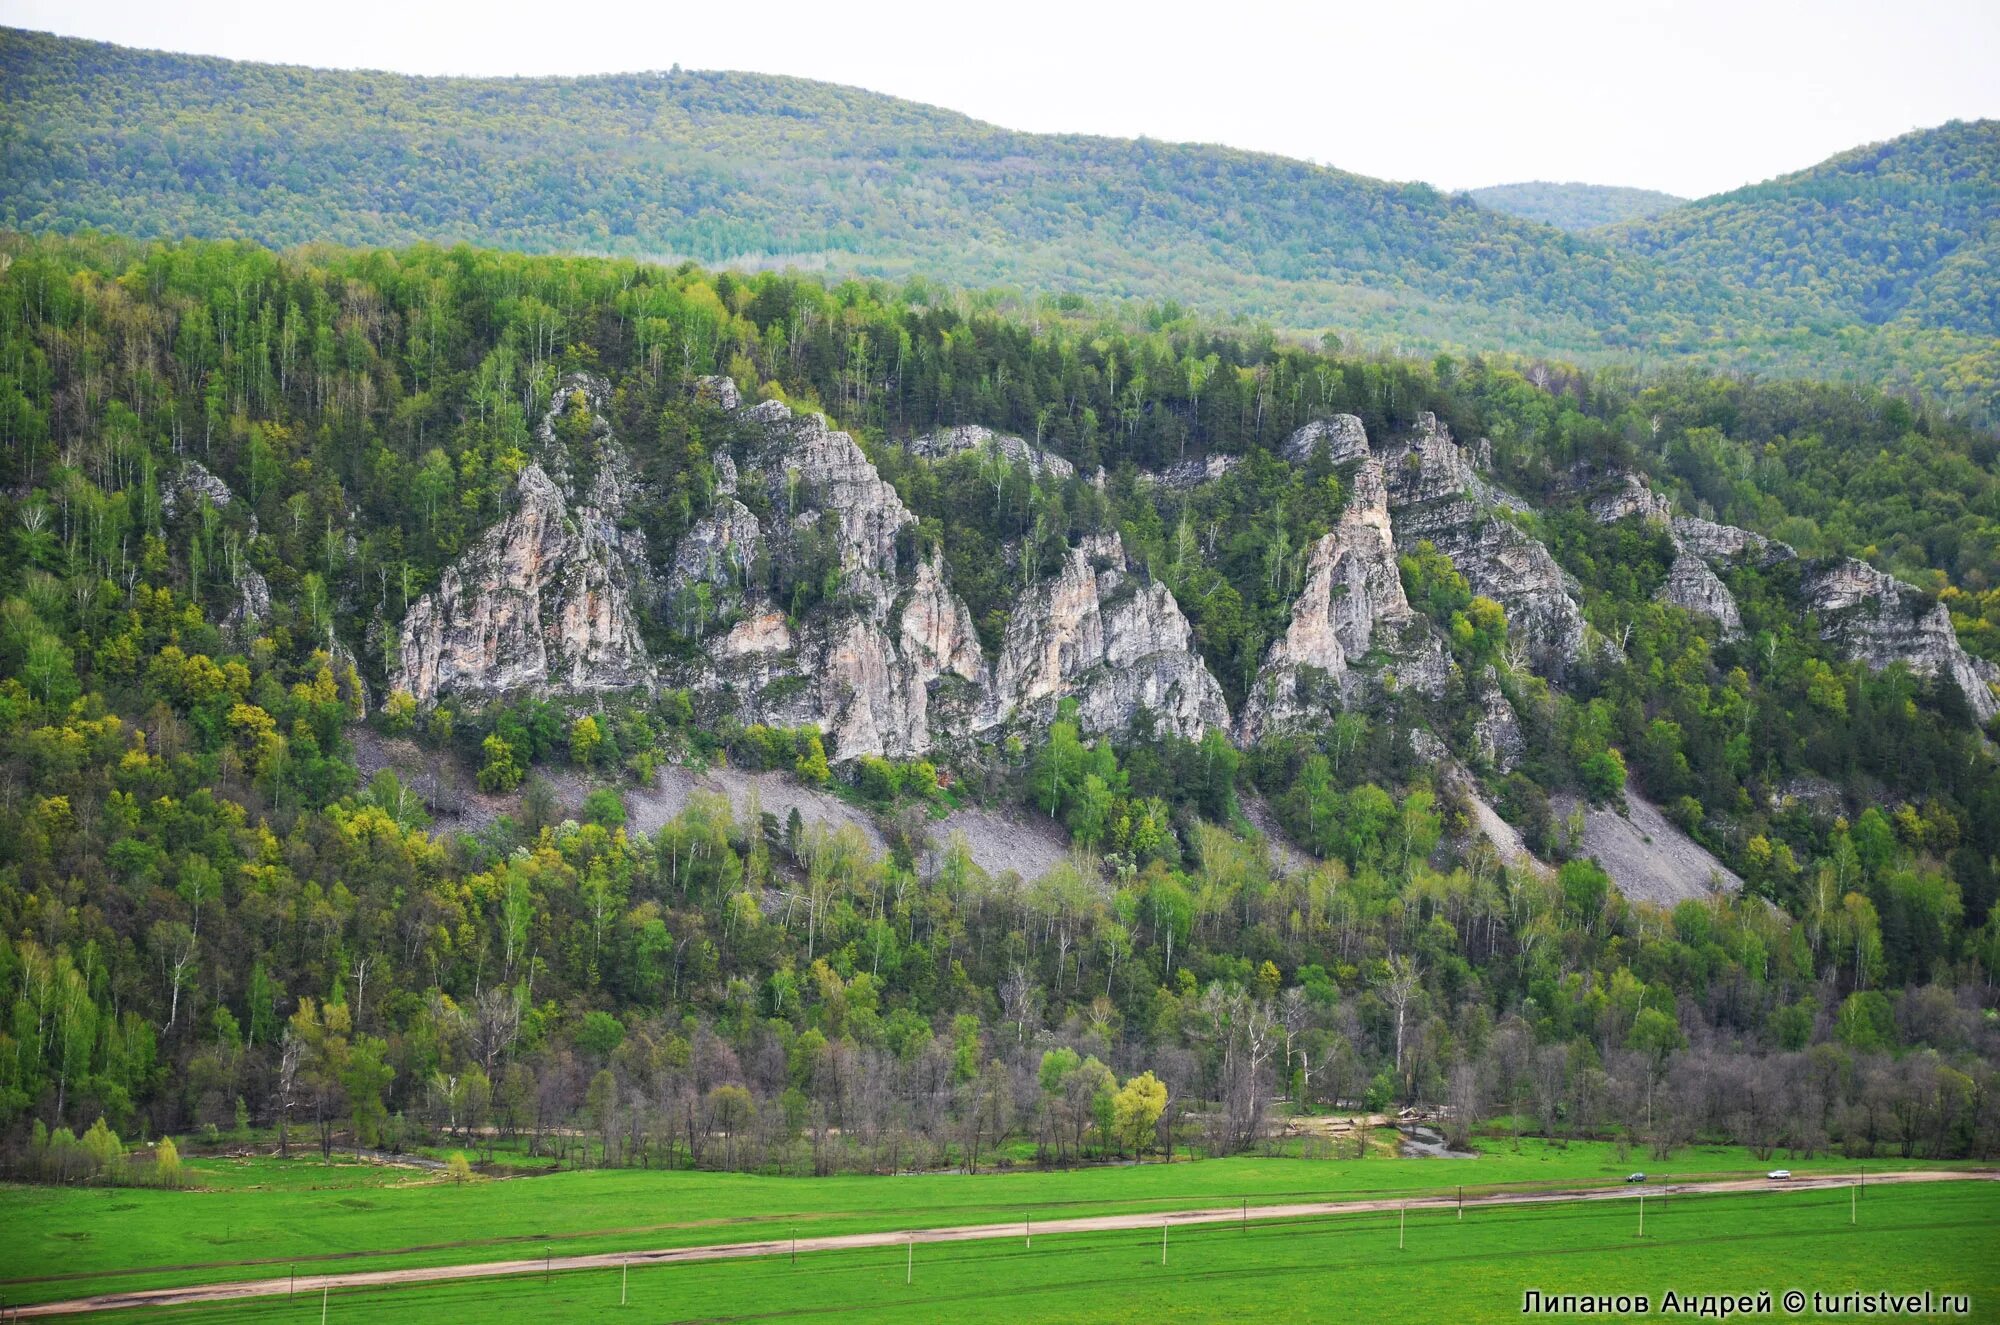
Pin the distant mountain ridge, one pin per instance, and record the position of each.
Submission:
(745, 168)
(1907, 230)
(1573, 206)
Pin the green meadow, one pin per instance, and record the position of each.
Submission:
(255, 1218)
(1941, 1237)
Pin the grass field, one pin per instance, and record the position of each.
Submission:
(262, 1215)
(1943, 1237)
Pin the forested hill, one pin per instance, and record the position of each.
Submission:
(1905, 232)
(360, 611)
(743, 167)
(1574, 206)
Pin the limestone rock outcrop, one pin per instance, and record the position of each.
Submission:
(720, 549)
(1101, 633)
(1877, 620)
(191, 487)
(1342, 435)
(1724, 542)
(808, 594)
(860, 666)
(252, 606)
(1189, 474)
(543, 600)
(892, 664)
(719, 391)
(1352, 606)
(1691, 585)
(980, 440)
(1633, 496)
(1872, 617)
(1496, 732)
(1436, 495)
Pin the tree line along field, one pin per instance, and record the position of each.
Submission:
(1944, 1238)
(255, 1218)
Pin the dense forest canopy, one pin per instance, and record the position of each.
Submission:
(201, 902)
(1891, 232)
(1574, 206)
(1876, 282)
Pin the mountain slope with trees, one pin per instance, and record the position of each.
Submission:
(1574, 206)
(228, 473)
(1902, 231)
(742, 167)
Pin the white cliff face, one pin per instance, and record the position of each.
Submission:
(549, 598)
(1631, 497)
(720, 549)
(979, 440)
(1352, 604)
(1496, 732)
(1435, 494)
(1097, 633)
(543, 600)
(937, 627)
(1871, 617)
(812, 471)
(1342, 435)
(252, 606)
(1878, 620)
(1725, 542)
(894, 666)
(190, 488)
(719, 391)
(536, 604)
(1692, 586)
(861, 668)
(762, 632)
(1189, 474)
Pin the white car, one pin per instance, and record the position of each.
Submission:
(1779, 1175)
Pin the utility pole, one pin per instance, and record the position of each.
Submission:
(1031, 1232)
(1402, 1214)
(910, 1260)
(1163, 1241)
(1642, 1214)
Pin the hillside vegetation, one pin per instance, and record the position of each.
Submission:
(207, 917)
(743, 167)
(1574, 206)
(1899, 232)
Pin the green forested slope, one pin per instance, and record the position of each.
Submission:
(1574, 206)
(1902, 230)
(722, 166)
(201, 902)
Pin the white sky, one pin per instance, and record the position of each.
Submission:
(1690, 96)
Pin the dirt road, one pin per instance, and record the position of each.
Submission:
(253, 1288)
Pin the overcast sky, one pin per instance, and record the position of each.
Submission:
(1689, 96)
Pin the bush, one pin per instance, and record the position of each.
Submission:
(586, 738)
(167, 1163)
(399, 712)
(1603, 776)
(501, 772)
(605, 808)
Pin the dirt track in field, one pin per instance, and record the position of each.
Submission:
(254, 1288)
